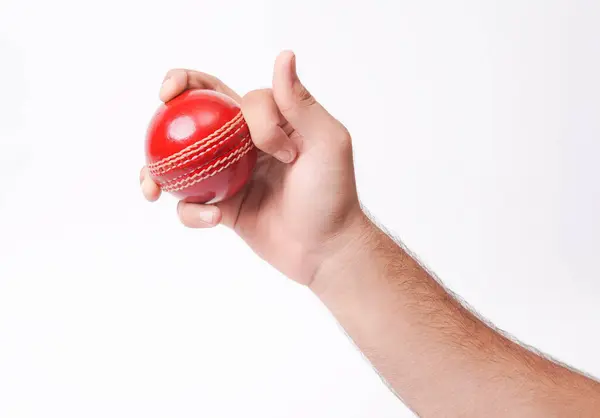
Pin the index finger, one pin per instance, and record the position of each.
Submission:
(178, 80)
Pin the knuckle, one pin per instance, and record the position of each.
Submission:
(197, 79)
(345, 137)
(259, 111)
(266, 138)
(340, 139)
(255, 97)
(303, 97)
(216, 82)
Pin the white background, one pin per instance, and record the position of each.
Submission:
(476, 129)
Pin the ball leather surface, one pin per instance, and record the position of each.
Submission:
(198, 147)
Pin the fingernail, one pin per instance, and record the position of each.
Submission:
(284, 156)
(207, 216)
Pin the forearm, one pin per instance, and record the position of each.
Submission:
(438, 357)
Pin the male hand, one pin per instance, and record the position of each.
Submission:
(300, 212)
(301, 206)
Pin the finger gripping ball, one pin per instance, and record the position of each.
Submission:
(198, 147)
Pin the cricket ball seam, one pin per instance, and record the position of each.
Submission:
(200, 176)
(242, 143)
(200, 171)
(195, 154)
(215, 136)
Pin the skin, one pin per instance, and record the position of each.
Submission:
(436, 355)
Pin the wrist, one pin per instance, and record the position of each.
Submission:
(343, 253)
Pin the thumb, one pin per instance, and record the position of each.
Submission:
(297, 104)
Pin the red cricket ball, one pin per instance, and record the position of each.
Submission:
(198, 147)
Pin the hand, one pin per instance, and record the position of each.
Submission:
(297, 209)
